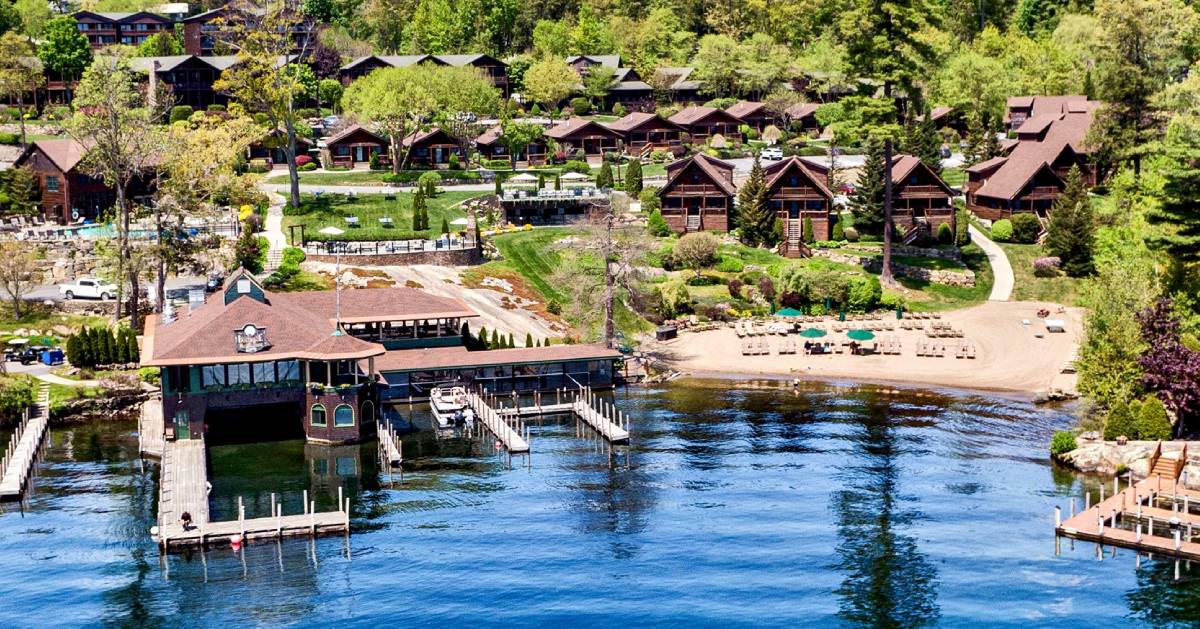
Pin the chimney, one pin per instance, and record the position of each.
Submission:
(195, 299)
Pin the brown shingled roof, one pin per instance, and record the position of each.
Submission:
(696, 113)
(65, 153)
(573, 125)
(636, 119)
(801, 110)
(775, 172)
(744, 108)
(719, 171)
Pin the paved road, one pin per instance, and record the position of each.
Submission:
(182, 283)
(1001, 269)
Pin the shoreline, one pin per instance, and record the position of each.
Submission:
(741, 376)
(1012, 360)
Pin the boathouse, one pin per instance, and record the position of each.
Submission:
(247, 364)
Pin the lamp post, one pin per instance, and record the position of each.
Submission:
(337, 278)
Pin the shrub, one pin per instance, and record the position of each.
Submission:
(215, 108)
(258, 166)
(576, 166)
(650, 200)
(150, 375)
(705, 280)
(730, 265)
(657, 225)
(619, 110)
(673, 298)
(806, 229)
(16, 394)
(180, 113)
(496, 164)
(9, 138)
(429, 182)
(553, 307)
(865, 292)
(1152, 421)
(944, 234)
(307, 167)
(1047, 266)
(581, 105)
(307, 112)
(303, 159)
(60, 113)
(373, 162)
(1120, 423)
(810, 151)
(851, 234)
(962, 233)
(454, 164)
(735, 288)
(292, 255)
(696, 250)
(1025, 228)
(1062, 443)
(839, 232)
(1002, 230)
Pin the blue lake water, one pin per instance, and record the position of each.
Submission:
(739, 504)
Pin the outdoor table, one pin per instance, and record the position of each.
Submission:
(352, 221)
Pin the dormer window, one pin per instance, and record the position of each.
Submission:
(250, 339)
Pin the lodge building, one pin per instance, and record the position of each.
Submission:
(249, 364)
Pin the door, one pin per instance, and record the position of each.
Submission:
(359, 154)
(182, 425)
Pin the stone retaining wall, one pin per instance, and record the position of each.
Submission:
(874, 264)
(1096, 456)
(901, 250)
(453, 257)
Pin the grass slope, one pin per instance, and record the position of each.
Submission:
(332, 210)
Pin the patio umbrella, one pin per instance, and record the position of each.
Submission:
(789, 312)
(574, 176)
(860, 335)
(522, 178)
(812, 333)
(459, 221)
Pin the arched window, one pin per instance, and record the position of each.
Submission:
(367, 413)
(317, 415)
(343, 415)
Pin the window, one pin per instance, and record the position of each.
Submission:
(143, 27)
(239, 374)
(264, 372)
(317, 415)
(52, 183)
(343, 415)
(289, 370)
(212, 376)
(368, 412)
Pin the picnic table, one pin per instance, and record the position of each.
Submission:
(352, 220)
(386, 221)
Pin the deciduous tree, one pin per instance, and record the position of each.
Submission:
(20, 272)
(549, 81)
(18, 73)
(64, 50)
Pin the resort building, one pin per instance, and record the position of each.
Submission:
(490, 147)
(203, 32)
(627, 87)
(1022, 108)
(187, 78)
(432, 148)
(1031, 176)
(271, 148)
(247, 364)
(803, 117)
(701, 123)
(920, 198)
(678, 84)
(752, 113)
(646, 132)
(796, 191)
(580, 134)
(107, 29)
(494, 69)
(698, 195)
(68, 195)
(355, 145)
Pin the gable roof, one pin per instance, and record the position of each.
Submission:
(636, 119)
(352, 129)
(608, 61)
(420, 136)
(65, 153)
(720, 172)
(679, 78)
(695, 113)
(774, 173)
(1025, 162)
(903, 165)
(744, 108)
(987, 164)
(801, 110)
(574, 125)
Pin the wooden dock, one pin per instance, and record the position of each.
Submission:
(21, 454)
(183, 487)
(1156, 515)
(509, 429)
(389, 449)
(151, 431)
(602, 416)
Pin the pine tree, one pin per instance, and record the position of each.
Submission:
(495, 340)
(445, 226)
(921, 140)
(420, 218)
(481, 342)
(1071, 234)
(121, 351)
(1179, 209)
(465, 333)
(558, 182)
(755, 218)
(866, 203)
(85, 349)
(541, 180)
(604, 179)
(839, 232)
(529, 339)
(499, 189)
(510, 343)
(73, 352)
(1089, 85)
(633, 177)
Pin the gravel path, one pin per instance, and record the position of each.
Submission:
(1001, 269)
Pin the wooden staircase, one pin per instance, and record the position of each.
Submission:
(1167, 467)
(917, 230)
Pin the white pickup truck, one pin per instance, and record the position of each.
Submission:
(88, 287)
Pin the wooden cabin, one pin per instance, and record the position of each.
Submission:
(701, 123)
(69, 195)
(355, 145)
(796, 191)
(752, 113)
(920, 198)
(432, 148)
(490, 147)
(645, 132)
(593, 138)
(698, 195)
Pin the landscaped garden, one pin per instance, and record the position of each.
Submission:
(332, 210)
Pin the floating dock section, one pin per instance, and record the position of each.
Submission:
(183, 487)
(21, 455)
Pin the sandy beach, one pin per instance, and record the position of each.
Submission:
(1009, 357)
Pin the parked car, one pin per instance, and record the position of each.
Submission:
(214, 283)
(772, 153)
(88, 287)
(32, 354)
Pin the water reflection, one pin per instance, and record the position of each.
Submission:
(1161, 601)
(888, 580)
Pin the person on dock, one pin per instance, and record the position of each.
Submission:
(185, 519)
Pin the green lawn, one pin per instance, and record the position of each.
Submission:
(954, 176)
(1029, 287)
(331, 210)
(939, 264)
(648, 170)
(931, 297)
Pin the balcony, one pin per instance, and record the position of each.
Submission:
(799, 192)
(924, 192)
(696, 190)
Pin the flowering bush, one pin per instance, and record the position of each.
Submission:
(120, 382)
(1048, 266)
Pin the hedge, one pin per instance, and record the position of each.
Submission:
(1026, 228)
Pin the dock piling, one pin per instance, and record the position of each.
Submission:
(1057, 516)
(1072, 506)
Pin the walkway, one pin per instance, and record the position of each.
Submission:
(50, 378)
(1002, 272)
(21, 454)
(273, 230)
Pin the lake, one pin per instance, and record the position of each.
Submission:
(739, 503)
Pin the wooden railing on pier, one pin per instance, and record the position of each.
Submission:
(1156, 515)
(510, 429)
(151, 430)
(603, 416)
(1167, 467)
(389, 449)
(183, 487)
(21, 454)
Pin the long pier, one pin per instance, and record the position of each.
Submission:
(183, 487)
(22, 451)
(1156, 515)
(389, 451)
(509, 429)
(151, 431)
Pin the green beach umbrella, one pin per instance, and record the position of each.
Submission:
(789, 312)
(860, 335)
(812, 333)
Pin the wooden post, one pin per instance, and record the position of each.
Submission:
(340, 495)
(305, 501)
(347, 515)
(1057, 517)
(1116, 484)
(1138, 536)
(1101, 493)
(1087, 500)
(1177, 541)
(279, 521)
(312, 517)
(1072, 506)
